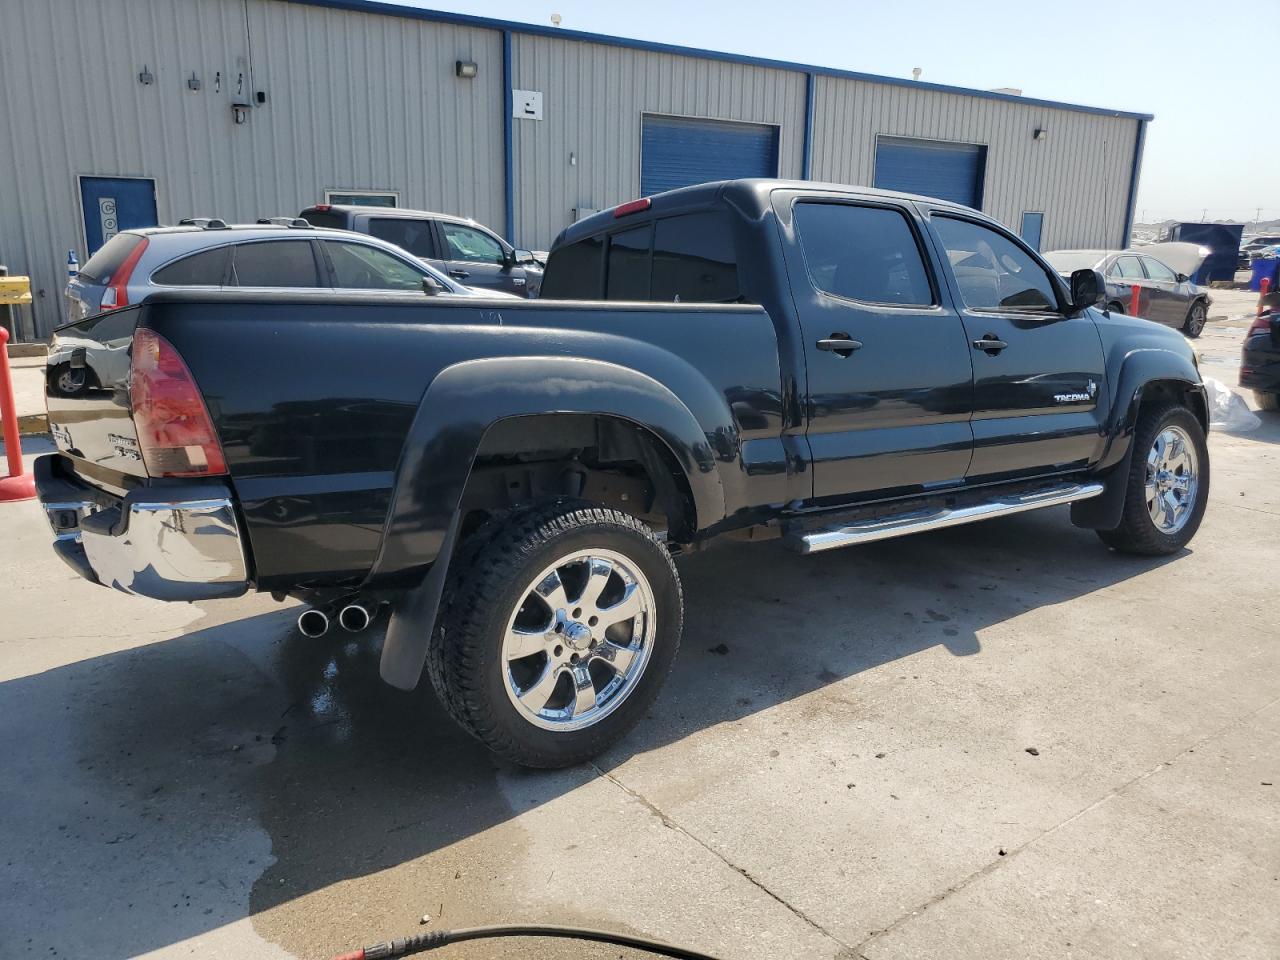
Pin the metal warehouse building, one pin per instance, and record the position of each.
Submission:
(145, 111)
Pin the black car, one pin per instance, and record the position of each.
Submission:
(1164, 295)
(1260, 356)
(467, 251)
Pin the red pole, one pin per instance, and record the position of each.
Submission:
(1264, 285)
(1134, 299)
(16, 486)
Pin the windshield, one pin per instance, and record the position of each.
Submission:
(1065, 261)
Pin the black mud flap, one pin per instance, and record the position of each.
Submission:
(404, 651)
(1103, 512)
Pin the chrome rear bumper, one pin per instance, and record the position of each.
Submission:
(179, 542)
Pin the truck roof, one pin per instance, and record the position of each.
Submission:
(750, 195)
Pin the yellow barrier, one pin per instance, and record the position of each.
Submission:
(15, 290)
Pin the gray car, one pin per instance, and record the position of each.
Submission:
(1163, 294)
(273, 255)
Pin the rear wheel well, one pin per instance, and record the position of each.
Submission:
(602, 459)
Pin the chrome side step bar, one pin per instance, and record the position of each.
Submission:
(918, 521)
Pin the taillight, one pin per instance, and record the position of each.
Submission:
(322, 208)
(633, 206)
(175, 433)
(117, 294)
(1261, 323)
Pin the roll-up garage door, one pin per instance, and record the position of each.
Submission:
(679, 151)
(934, 168)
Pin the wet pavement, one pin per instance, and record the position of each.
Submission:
(838, 766)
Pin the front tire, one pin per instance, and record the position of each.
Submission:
(1266, 400)
(1197, 316)
(558, 627)
(1167, 487)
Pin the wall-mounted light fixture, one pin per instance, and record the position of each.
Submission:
(1040, 134)
(146, 77)
(193, 82)
(240, 112)
(467, 69)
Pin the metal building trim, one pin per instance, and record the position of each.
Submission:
(1133, 184)
(508, 151)
(806, 163)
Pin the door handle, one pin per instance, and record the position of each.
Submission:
(459, 274)
(840, 344)
(989, 344)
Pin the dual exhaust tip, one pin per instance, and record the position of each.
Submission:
(315, 623)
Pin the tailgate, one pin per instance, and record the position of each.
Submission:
(87, 392)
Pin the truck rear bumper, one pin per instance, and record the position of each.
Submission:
(169, 543)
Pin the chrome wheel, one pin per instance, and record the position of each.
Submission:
(1172, 483)
(579, 640)
(1195, 322)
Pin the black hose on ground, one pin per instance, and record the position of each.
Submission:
(422, 942)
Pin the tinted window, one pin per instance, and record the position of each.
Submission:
(204, 269)
(362, 199)
(992, 271)
(573, 271)
(317, 219)
(467, 243)
(107, 261)
(1158, 271)
(274, 263)
(361, 267)
(412, 235)
(863, 253)
(693, 259)
(1129, 268)
(628, 277)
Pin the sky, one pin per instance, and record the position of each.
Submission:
(1202, 69)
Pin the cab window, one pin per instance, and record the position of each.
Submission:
(468, 243)
(991, 271)
(274, 263)
(573, 271)
(405, 233)
(862, 253)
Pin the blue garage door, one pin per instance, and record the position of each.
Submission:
(677, 151)
(934, 168)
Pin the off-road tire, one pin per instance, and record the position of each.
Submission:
(1137, 532)
(1266, 400)
(487, 581)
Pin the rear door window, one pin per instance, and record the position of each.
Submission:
(208, 268)
(573, 271)
(414, 236)
(863, 253)
(693, 259)
(628, 275)
(275, 263)
(357, 266)
(108, 260)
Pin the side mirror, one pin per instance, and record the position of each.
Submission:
(1182, 278)
(1088, 288)
(431, 286)
(525, 256)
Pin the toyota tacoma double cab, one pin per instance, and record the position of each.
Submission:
(509, 480)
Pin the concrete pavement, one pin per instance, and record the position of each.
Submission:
(852, 778)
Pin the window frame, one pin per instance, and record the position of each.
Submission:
(337, 192)
(1055, 282)
(916, 234)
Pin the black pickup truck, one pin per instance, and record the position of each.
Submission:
(829, 365)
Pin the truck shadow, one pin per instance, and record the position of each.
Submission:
(195, 762)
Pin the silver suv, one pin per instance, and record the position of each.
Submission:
(279, 254)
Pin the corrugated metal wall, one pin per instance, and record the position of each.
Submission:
(369, 101)
(592, 100)
(354, 101)
(1078, 175)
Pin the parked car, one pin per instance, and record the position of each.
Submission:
(749, 359)
(209, 254)
(468, 251)
(1260, 354)
(1260, 246)
(1164, 294)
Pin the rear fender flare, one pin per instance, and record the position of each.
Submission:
(458, 408)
